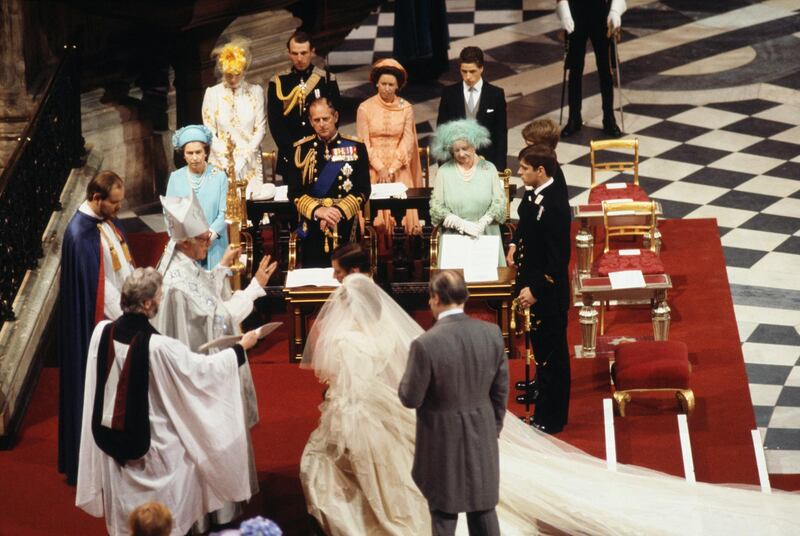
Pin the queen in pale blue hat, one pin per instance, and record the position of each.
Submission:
(189, 133)
(206, 182)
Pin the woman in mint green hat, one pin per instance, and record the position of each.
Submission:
(210, 185)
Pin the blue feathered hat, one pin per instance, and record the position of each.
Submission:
(191, 133)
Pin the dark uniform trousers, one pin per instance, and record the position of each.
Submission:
(590, 23)
(333, 174)
(542, 256)
(288, 96)
(550, 349)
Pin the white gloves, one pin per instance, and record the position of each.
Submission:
(462, 226)
(565, 15)
(614, 20)
(483, 222)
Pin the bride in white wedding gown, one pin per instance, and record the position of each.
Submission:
(356, 467)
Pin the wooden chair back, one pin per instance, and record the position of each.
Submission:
(629, 145)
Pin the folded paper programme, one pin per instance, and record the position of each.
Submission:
(627, 279)
(476, 256)
(385, 190)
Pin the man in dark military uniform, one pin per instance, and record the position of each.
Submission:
(541, 252)
(328, 182)
(597, 20)
(289, 94)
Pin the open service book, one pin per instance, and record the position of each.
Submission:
(229, 340)
(310, 277)
(476, 256)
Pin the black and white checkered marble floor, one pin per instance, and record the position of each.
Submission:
(711, 89)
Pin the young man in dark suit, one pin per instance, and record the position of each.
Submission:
(475, 98)
(542, 256)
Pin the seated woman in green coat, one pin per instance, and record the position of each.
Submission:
(468, 196)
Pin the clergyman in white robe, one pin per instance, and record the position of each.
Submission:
(197, 459)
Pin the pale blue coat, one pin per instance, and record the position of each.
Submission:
(212, 196)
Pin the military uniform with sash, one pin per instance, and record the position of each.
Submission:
(288, 96)
(332, 174)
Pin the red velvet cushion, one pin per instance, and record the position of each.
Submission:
(647, 261)
(600, 193)
(652, 365)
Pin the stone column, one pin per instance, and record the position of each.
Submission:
(15, 104)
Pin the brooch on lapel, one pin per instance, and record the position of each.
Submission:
(347, 185)
(347, 170)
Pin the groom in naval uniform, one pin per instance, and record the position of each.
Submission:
(328, 182)
(542, 256)
(457, 380)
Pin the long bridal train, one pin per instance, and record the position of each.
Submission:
(356, 467)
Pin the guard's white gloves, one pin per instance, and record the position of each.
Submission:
(483, 222)
(565, 16)
(614, 20)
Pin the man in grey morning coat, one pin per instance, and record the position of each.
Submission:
(457, 379)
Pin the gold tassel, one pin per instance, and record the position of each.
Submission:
(114, 257)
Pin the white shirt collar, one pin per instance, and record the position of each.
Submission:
(450, 312)
(87, 209)
(538, 190)
(478, 87)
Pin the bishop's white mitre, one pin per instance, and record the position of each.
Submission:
(184, 217)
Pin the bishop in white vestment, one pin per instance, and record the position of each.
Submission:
(198, 305)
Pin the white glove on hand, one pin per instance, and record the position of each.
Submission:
(565, 16)
(472, 229)
(453, 222)
(483, 222)
(614, 20)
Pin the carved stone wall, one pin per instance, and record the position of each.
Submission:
(15, 104)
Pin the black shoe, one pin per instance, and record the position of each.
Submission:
(546, 429)
(610, 127)
(529, 397)
(522, 385)
(572, 126)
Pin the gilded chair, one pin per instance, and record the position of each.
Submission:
(652, 367)
(425, 161)
(634, 220)
(600, 192)
(368, 242)
(269, 161)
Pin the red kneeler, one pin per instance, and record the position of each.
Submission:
(651, 366)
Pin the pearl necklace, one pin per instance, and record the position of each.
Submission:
(196, 181)
(466, 174)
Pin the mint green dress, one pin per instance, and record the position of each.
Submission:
(482, 195)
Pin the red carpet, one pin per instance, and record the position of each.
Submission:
(702, 316)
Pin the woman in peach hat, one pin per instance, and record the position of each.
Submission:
(386, 123)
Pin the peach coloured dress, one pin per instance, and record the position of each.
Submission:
(390, 133)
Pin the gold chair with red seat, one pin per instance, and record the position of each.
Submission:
(630, 220)
(600, 192)
(652, 366)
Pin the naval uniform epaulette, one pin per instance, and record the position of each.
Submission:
(322, 73)
(286, 71)
(300, 142)
(351, 138)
